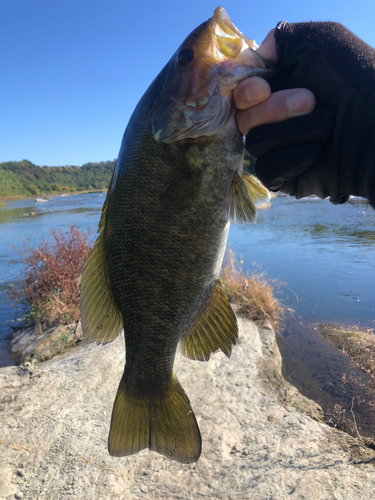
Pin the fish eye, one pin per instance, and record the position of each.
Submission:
(185, 56)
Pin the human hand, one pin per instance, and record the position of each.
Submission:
(258, 106)
(330, 151)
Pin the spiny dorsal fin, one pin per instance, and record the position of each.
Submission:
(166, 425)
(101, 319)
(244, 192)
(214, 329)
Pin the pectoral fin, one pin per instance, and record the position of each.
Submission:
(245, 191)
(214, 329)
(101, 319)
(255, 188)
(182, 185)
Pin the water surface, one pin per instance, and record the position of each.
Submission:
(326, 256)
(324, 253)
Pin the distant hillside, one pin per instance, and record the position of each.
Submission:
(21, 179)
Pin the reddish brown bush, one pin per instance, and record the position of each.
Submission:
(49, 287)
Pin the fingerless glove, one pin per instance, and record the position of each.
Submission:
(330, 152)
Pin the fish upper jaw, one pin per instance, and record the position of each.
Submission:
(223, 25)
(199, 99)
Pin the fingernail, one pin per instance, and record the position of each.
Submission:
(298, 102)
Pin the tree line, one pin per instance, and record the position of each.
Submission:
(22, 179)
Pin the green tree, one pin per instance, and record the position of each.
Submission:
(33, 189)
(56, 187)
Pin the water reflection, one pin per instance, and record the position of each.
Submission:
(317, 370)
(13, 213)
(341, 233)
(27, 208)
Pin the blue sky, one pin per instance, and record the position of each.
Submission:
(72, 71)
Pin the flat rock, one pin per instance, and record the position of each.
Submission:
(27, 344)
(54, 422)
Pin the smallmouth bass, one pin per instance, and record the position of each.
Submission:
(177, 184)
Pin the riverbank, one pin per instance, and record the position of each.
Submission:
(258, 438)
(4, 199)
(27, 345)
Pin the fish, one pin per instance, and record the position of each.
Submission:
(154, 271)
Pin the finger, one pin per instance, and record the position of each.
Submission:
(267, 48)
(280, 106)
(250, 92)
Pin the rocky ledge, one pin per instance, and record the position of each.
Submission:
(261, 438)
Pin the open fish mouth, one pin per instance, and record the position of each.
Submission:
(228, 43)
(230, 40)
(196, 98)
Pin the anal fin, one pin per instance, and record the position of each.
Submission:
(213, 330)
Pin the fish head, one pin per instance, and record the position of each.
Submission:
(196, 95)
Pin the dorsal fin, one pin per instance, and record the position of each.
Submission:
(101, 319)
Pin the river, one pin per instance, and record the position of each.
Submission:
(324, 254)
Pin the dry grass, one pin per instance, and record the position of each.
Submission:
(362, 350)
(360, 345)
(253, 293)
(357, 343)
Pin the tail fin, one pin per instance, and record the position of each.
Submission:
(167, 426)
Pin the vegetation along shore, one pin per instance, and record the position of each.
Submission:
(48, 293)
(23, 179)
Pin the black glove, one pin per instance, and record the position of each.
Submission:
(330, 152)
